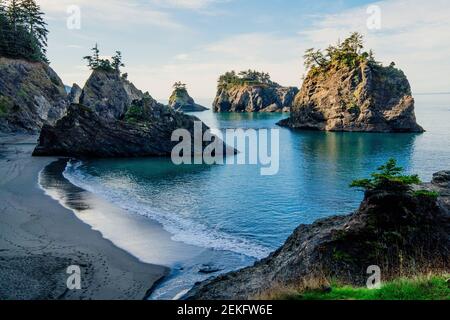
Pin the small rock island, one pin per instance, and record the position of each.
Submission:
(252, 91)
(180, 100)
(346, 89)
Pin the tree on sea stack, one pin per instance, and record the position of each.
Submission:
(95, 62)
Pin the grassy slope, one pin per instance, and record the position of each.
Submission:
(432, 288)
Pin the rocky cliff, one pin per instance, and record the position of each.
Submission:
(404, 233)
(180, 100)
(108, 94)
(252, 91)
(75, 94)
(31, 94)
(366, 97)
(254, 98)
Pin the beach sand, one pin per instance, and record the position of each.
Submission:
(40, 239)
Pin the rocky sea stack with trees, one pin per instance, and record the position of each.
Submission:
(110, 117)
(252, 91)
(346, 89)
(31, 93)
(180, 100)
(402, 226)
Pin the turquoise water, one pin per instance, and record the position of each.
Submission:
(234, 208)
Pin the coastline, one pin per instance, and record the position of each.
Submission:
(39, 239)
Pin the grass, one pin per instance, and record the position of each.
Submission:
(424, 288)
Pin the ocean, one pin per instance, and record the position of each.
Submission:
(235, 215)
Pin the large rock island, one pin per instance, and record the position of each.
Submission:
(115, 119)
(180, 100)
(252, 91)
(31, 95)
(347, 90)
(403, 229)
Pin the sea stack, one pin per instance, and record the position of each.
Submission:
(347, 90)
(180, 100)
(252, 91)
(31, 95)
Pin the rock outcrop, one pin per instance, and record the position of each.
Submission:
(403, 233)
(367, 97)
(109, 94)
(254, 98)
(75, 94)
(31, 94)
(180, 100)
(145, 130)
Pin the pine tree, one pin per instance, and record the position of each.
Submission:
(33, 18)
(15, 13)
(117, 61)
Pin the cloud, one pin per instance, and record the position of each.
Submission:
(128, 13)
(188, 4)
(415, 34)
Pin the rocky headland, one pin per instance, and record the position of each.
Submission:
(252, 91)
(180, 100)
(31, 95)
(404, 231)
(347, 90)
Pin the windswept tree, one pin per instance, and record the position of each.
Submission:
(95, 62)
(117, 61)
(178, 86)
(349, 53)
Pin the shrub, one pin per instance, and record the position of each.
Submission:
(389, 177)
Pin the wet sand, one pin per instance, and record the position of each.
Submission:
(39, 239)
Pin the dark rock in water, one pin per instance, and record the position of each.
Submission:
(401, 232)
(109, 94)
(75, 94)
(145, 130)
(367, 97)
(31, 95)
(209, 269)
(254, 98)
(180, 100)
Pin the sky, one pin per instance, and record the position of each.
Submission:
(194, 41)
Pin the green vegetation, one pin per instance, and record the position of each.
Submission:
(250, 77)
(139, 111)
(180, 90)
(5, 104)
(348, 53)
(23, 31)
(426, 194)
(388, 178)
(424, 288)
(97, 63)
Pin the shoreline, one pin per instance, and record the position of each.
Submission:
(40, 239)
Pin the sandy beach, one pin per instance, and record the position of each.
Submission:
(39, 239)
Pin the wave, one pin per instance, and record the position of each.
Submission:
(183, 230)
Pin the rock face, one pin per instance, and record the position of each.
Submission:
(180, 100)
(368, 97)
(399, 232)
(254, 98)
(146, 130)
(109, 94)
(75, 94)
(31, 94)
